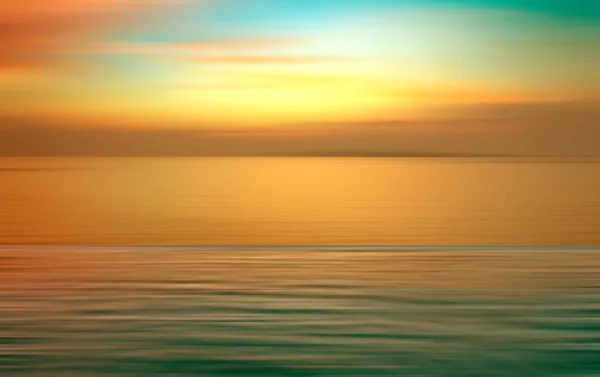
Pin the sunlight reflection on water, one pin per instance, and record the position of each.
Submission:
(299, 201)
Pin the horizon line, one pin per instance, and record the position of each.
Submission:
(311, 248)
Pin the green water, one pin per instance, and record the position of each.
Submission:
(118, 312)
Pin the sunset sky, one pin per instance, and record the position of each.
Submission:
(279, 68)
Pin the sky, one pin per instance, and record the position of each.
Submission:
(370, 76)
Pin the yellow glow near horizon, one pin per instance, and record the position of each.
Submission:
(251, 96)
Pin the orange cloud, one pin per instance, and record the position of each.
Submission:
(460, 93)
(269, 134)
(32, 31)
(261, 59)
(197, 47)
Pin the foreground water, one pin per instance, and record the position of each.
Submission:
(154, 312)
(224, 308)
(299, 201)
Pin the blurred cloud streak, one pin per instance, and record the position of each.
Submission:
(222, 45)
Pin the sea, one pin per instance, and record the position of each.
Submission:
(300, 266)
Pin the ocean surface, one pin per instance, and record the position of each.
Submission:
(299, 201)
(186, 312)
(307, 267)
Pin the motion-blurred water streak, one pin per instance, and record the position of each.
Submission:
(298, 313)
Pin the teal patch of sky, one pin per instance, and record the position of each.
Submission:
(268, 18)
(276, 18)
(309, 17)
(568, 10)
(131, 70)
(191, 25)
(306, 18)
